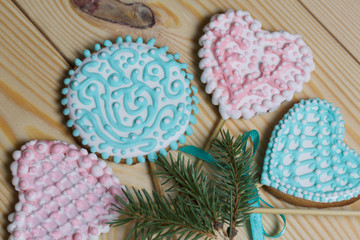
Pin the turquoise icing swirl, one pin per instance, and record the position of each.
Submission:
(129, 100)
(307, 157)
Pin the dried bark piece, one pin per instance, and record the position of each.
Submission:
(136, 15)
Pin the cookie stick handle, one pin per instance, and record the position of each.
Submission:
(314, 212)
(156, 180)
(214, 135)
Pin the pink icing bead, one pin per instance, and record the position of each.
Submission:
(61, 201)
(232, 44)
(77, 236)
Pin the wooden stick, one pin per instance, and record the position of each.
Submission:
(156, 180)
(315, 212)
(217, 129)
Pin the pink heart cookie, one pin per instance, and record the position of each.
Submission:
(251, 71)
(64, 193)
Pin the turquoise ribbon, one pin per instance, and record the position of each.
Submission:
(257, 229)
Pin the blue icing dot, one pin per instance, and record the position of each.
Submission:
(164, 99)
(161, 143)
(188, 99)
(189, 131)
(119, 40)
(126, 119)
(84, 142)
(144, 55)
(182, 139)
(67, 81)
(64, 91)
(73, 105)
(64, 101)
(170, 57)
(70, 123)
(116, 159)
(194, 89)
(128, 38)
(93, 149)
(129, 161)
(123, 152)
(132, 150)
(175, 73)
(151, 42)
(71, 72)
(107, 43)
(93, 57)
(176, 55)
(78, 62)
(189, 76)
(93, 138)
(152, 157)
(97, 47)
(66, 111)
(155, 71)
(125, 65)
(193, 119)
(188, 91)
(173, 145)
(122, 57)
(163, 152)
(112, 49)
(139, 40)
(141, 62)
(189, 107)
(108, 71)
(87, 53)
(156, 134)
(141, 159)
(76, 133)
(196, 99)
(105, 155)
(139, 47)
(78, 75)
(182, 73)
(195, 109)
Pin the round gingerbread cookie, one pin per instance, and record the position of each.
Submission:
(250, 71)
(130, 100)
(64, 193)
(307, 163)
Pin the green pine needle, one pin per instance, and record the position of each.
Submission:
(202, 204)
(159, 217)
(235, 177)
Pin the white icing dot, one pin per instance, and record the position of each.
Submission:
(138, 121)
(92, 88)
(318, 171)
(97, 171)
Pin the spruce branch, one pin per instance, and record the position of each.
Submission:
(235, 178)
(191, 182)
(202, 205)
(159, 217)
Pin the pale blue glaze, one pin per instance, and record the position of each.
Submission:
(115, 96)
(307, 158)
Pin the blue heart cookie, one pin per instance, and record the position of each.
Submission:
(307, 158)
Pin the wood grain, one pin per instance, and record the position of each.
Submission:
(341, 18)
(31, 73)
(46, 37)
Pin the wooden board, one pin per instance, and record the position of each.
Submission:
(40, 40)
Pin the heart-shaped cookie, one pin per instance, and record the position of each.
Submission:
(251, 71)
(64, 193)
(307, 158)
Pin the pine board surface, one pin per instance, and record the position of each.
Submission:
(40, 39)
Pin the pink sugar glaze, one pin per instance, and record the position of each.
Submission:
(248, 70)
(61, 196)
